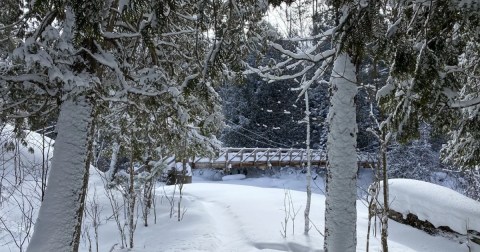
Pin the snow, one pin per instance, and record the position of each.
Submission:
(238, 155)
(439, 205)
(179, 167)
(245, 215)
(233, 177)
(59, 214)
(31, 154)
(12, 193)
(122, 4)
(305, 55)
(385, 90)
(342, 158)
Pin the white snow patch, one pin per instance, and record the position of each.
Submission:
(233, 177)
(385, 90)
(438, 205)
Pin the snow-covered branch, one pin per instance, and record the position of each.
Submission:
(273, 77)
(305, 55)
(464, 103)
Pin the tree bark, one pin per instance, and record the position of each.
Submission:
(147, 192)
(131, 203)
(309, 168)
(341, 192)
(58, 226)
(385, 194)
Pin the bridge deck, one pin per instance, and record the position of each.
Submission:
(266, 157)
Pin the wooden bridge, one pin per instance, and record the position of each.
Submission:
(228, 158)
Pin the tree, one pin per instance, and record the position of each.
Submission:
(84, 55)
(434, 75)
(341, 193)
(353, 29)
(10, 14)
(309, 169)
(268, 114)
(427, 46)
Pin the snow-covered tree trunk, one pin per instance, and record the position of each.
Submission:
(341, 192)
(59, 220)
(113, 161)
(386, 208)
(309, 168)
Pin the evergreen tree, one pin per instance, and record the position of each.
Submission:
(263, 114)
(415, 160)
(434, 75)
(11, 16)
(85, 55)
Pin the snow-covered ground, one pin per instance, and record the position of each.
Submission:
(233, 214)
(247, 215)
(20, 185)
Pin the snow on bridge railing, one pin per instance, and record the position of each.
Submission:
(261, 157)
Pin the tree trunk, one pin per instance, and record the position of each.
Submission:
(341, 191)
(113, 162)
(59, 220)
(385, 194)
(309, 168)
(147, 193)
(131, 203)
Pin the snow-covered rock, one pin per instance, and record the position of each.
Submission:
(436, 204)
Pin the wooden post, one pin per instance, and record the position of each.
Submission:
(301, 159)
(290, 159)
(241, 157)
(226, 160)
(279, 156)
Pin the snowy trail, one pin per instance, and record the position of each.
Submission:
(247, 218)
(208, 225)
(227, 226)
(235, 210)
(230, 234)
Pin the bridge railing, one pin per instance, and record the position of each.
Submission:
(245, 157)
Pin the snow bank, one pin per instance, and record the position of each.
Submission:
(30, 151)
(20, 185)
(233, 177)
(436, 204)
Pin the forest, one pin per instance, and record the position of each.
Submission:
(100, 99)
